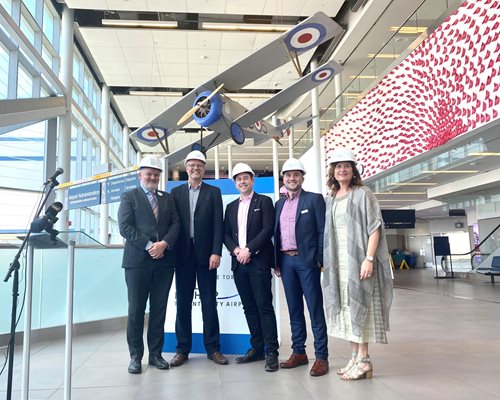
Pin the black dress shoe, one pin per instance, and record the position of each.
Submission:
(218, 358)
(158, 362)
(178, 360)
(135, 366)
(250, 356)
(272, 362)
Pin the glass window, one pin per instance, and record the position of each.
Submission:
(27, 30)
(48, 24)
(22, 154)
(76, 68)
(24, 83)
(74, 151)
(4, 71)
(47, 56)
(7, 4)
(31, 6)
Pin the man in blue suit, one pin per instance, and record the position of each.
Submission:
(148, 221)
(298, 234)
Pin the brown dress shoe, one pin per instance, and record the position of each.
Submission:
(319, 368)
(294, 361)
(178, 360)
(218, 358)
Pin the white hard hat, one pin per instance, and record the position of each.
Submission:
(151, 161)
(292, 164)
(195, 155)
(341, 154)
(240, 168)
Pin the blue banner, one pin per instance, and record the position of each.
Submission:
(84, 196)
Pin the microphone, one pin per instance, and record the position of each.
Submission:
(48, 220)
(52, 179)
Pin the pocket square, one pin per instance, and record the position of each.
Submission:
(257, 209)
(304, 211)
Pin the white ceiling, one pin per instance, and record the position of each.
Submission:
(302, 8)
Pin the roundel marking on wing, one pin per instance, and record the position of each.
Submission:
(323, 74)
(305, 37)
(147, 134)
(258, 126)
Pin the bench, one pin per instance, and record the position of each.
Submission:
(492, 271)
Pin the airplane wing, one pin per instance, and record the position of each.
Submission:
(292, 92)
(308, 34)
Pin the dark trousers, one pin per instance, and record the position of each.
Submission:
(302, 281)
(153, 282)
(186, 276)
(254, 287)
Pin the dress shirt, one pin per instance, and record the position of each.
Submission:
(287, 222)
(194, 193)
(243, 208)
(149, 243)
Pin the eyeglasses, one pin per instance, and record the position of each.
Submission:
(192, 166)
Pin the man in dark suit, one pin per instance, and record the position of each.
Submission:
(199, 249)
(248, 223)
(298, 235)
(150, 225)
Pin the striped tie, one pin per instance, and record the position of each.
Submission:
(154, 203)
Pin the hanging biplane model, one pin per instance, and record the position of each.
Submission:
(225, 118)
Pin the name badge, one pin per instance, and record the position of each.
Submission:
(257, 209)
(304, 211)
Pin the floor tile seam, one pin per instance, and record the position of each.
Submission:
(447, 295)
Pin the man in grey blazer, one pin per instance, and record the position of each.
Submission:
(199, 249)
(150, 225)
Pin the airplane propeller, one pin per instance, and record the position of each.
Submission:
(191, 112)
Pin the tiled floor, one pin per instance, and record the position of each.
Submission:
(444, 344)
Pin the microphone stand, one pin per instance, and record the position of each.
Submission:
(14, 268)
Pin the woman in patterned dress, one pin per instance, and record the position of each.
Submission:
(357, 280)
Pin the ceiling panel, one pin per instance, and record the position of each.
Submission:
(204, 40)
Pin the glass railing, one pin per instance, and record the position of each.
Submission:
(99, 286)
(355, 85)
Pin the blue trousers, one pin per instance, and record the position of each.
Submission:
(301, 281)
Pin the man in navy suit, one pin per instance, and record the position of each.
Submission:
(199, 249)
(298, 235)
(248, 223)
(150, 225)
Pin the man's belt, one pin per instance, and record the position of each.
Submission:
(291, 253)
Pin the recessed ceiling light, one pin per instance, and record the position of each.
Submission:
(128, 23)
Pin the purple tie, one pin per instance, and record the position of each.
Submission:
(154, 203)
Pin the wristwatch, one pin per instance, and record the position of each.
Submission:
(369, 258)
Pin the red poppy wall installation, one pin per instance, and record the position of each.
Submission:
(447, 86)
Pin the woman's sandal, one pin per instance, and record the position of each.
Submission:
(357, 372)
(349, 365)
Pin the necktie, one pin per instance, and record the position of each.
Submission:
(154, 203)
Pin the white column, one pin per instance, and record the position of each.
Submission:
(103, 208)
(229, 160)
(126, 145)
(276, 166)
(317, 169)
(291, 141)
(338, 91)
(64, 137)
(164, 174)
(216, 162)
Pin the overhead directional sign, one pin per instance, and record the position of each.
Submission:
(112, 188)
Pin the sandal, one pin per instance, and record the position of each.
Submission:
(357, 372)
(349, 365)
